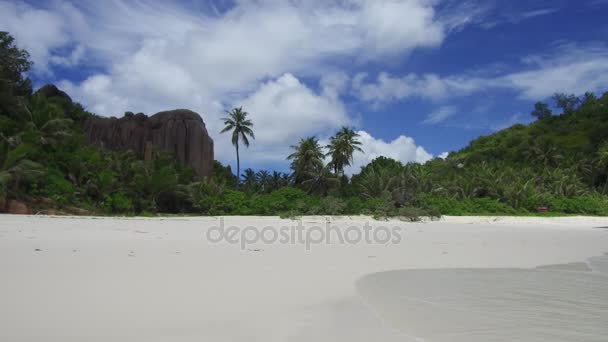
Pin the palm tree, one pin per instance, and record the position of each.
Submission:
(602, 161)
(375, 182)
(321, 180)
(602, 157)
(241, 127)
(45, 121)
(308, 156)
(341, 147)
(286, 179)
(264, 180)
(250, 179)
(276, 180)
(546, 155)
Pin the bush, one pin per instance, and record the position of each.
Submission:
(354, 206)
(380, 208)
(119, 203)
(232, 202)
(588, 205)
(58, 188)
(332, 206)
(411, 214)
(471, 206)
(283, 200)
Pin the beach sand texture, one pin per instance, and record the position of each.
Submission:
(459, 279)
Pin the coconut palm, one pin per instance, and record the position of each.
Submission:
(375, 182)
(341, 147)
(545, 155)
(307, 158)
(602, 161)
(602, 157)
(276, 181)
(264, 180)
(320, 180)
(45, 124)
(250, 179)
(241, 128)
(286, 179)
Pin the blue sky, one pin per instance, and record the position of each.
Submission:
(417, 78)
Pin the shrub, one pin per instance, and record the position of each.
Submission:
(284, 200)
(380, 208)
(120, 203)
(411, 214)
(58, 188)
(332, 206)
(354, 206)
(232, 202)
(588, 205)
(471, 206)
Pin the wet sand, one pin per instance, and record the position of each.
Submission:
(546, 304)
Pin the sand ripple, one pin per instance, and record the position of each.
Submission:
(549, 303)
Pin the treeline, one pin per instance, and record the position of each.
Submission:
(559, 162)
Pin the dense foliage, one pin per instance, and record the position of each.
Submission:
(559, 162)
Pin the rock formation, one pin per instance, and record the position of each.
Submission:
(181, 132)
(50, 90)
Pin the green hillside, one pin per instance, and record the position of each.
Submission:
(578, 134)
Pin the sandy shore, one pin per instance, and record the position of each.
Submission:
(108, 279)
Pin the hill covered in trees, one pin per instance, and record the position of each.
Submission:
(559, 162)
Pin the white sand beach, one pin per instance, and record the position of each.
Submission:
(459, 279)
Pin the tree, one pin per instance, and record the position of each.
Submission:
(307, 158)
(568, 103)
(14, 62)
(320, 180)
(541, 111)
(241, 128)
(588, 98)
(264, 180)
(46, 121)
(544, 154)
(341, 147)
(276, 181)
(602, 161)
(375, 182)
(250, 179)
(602, 157)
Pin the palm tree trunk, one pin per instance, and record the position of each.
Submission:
(238, 166)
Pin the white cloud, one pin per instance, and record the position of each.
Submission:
(403, 149)
(387, 88)
(440, 115)
(37, 30)
(333, 84)
(158, 55)
(538, 12)
(574, 69)
(389, 27)
(234, 50)
(570, 69)
(444, 155)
